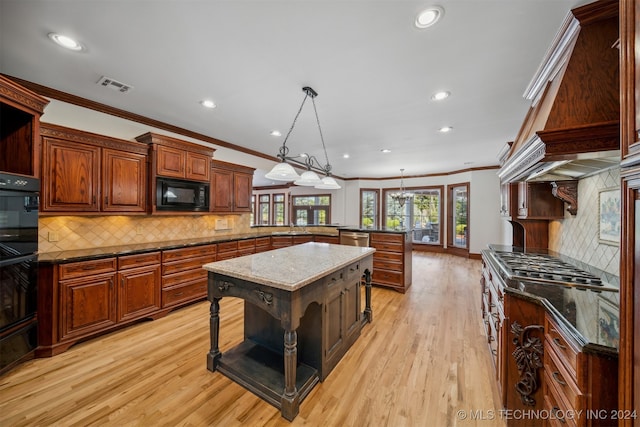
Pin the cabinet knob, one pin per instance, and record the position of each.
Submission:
(556, 376)
(559, 343)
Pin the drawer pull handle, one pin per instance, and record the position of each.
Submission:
(178, 294)
(556, 376)
(559, 343)
(555, 411)
(492, 338)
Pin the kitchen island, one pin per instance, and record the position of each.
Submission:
(302, 312)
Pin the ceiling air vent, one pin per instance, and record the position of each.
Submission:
(114, 84)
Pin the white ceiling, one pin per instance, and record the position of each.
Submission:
(373, 70)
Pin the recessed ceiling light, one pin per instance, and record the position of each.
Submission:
(275, 133)
(439, 96)
(429, 16)
(445, 129)
(66, 42)
(207, 103)
(345, 156)
(385, 150)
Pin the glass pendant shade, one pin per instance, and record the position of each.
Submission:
(308, 179)
(328, 183)
(283, 172)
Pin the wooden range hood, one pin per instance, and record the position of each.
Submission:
(573, 126)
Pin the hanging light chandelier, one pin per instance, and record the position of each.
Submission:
(402, 196)
(283, 171)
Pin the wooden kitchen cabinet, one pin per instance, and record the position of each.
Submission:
(231, 187)
(87, 301)
(84, 298)
(281, 241)
(391, 260)
(327, 239)
(536, 201)
(227, 250)
(246, 247)
(139, 285)
(341, 313)
(174, 158)
(20, 112)
(575, 381)
(89, 173)
(183, 278)
(263, 244)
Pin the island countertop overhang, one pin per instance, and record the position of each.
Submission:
(290, 268)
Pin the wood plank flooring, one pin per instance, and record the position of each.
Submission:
(422, 360)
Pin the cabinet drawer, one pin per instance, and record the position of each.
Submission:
(184, 293)
(387, 265)
(247, 251)
(183, 277)
(73, 270)
(138, 260)
(387, 237)
(558, 377)
(390, 277)
(182, 253)
(243, 245)
(226, 255)
(353, 271)
(565, 351)
(387, 256)
(187, 264)
(389, 247)
(263, 241)
(556, 410)
(228, 246)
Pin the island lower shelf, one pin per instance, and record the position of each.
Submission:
(261, 371)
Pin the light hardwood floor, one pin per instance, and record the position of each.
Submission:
(422, 361)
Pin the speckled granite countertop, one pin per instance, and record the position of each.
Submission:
(293, 267)
(590, 317)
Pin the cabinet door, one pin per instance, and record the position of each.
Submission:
(198, 167)
(139, 292)
(243, 189)
(334, 317)
(124, 178)
(221, 191)
(170, 162)
(88, 305)
(73, 177)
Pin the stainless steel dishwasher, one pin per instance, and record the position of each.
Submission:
(353, 238)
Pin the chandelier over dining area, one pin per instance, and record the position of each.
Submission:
(402, 196)
(283, 171)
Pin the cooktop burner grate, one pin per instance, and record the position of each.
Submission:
(545, 267)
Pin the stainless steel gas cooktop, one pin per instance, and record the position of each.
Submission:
(547, 269)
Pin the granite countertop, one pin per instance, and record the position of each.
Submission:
(590, 317)
(373, 230)
(108, 251)
(292, 267)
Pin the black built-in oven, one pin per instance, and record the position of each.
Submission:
(19, 199)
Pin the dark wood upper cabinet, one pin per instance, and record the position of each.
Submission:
(89, 173)
(231, 187)
(174, 158)
(20, 111)
(536, 201)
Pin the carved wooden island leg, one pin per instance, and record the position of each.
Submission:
(368, 313)
(290, 398)
(214, 331)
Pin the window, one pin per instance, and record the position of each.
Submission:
(278, 209)
(422, 214)
(311, 210)
(252, 219)
(458, 216)
(263, 209)
(369, 208)
(426, 215)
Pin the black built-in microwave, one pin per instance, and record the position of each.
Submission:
(180, 195)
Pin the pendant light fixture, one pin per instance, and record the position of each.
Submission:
(283, 171)
(402, 196)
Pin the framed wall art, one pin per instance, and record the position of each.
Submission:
(609, 216)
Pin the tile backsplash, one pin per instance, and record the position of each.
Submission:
(577, 236)
(62, 233)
